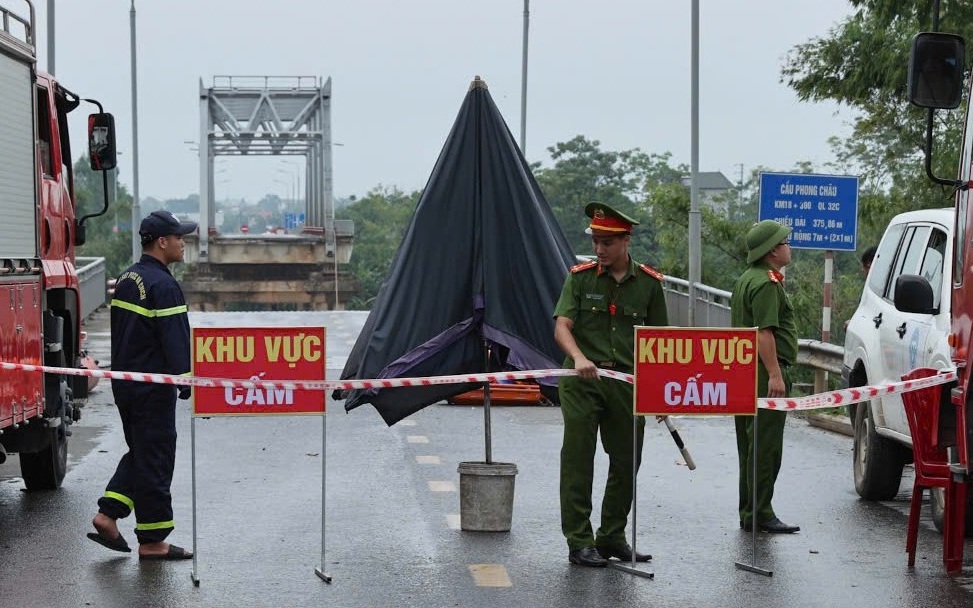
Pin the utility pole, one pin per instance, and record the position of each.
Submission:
(523, 84)
(695, 218)
(136, 208)
(50, 37)
(739, 194)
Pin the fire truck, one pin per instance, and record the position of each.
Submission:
(40, 302)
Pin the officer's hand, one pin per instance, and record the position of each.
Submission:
(586, 369)
(776, 388)
(185, 392)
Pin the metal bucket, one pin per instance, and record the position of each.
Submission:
(486, 496)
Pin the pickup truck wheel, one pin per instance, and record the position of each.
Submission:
(877, 461)
(937, 506)
(45, 469)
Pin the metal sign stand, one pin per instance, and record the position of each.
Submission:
(324, 477)
(631, 568)
(194, 574)
(752, 567)
(319, 571)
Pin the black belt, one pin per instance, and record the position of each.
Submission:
(614, 365)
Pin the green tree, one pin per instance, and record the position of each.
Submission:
(862, 64)
(380, 217)
(582, 173)
(110, 235)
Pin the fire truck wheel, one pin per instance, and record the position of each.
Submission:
(937, 507)
(45, 469)
(878, 461)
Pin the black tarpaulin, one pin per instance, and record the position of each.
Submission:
(482, 259)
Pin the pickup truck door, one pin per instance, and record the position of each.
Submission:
(905, 338)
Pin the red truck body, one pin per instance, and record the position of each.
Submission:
(40, 307)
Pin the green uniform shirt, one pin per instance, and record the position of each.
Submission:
(589, 297)
(760, 301)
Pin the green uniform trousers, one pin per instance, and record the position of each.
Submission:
(590, 406)
(770, 447)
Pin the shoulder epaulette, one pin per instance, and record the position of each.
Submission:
(583, 266)
(775, 277)
(652, 272)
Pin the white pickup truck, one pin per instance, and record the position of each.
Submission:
(882, 343)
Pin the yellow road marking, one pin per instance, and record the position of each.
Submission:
(490, 575)
(428, 460)
(417, 439)
(407, 422)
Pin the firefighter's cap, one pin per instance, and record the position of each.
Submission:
(163, 223)
(605, 220)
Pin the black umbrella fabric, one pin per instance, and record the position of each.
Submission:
(483, 259)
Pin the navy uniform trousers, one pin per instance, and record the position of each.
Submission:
(144, 474)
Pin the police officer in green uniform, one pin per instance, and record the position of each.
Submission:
(759, 300)
(600, 305)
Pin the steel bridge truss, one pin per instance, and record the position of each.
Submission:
(268, 116)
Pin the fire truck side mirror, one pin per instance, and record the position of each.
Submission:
(936, 70)
(913, 294)
(79, 233)
(101, 141)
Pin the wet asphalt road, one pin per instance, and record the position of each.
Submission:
(392, 536)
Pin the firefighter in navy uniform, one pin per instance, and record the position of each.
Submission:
(149, 333)
(600, 305)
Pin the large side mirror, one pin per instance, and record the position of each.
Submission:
(913, 294)
(101, 141)
(936, 70)
(80, 234)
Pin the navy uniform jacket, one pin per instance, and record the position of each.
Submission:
(149, 329)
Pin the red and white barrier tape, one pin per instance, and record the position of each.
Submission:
(847, 396)
(318, 385)
(811, 402)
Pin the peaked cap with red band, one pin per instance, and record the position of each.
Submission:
(604, 219)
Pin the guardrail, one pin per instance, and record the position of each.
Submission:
(91, 281)
(712, 305)
(713, 310)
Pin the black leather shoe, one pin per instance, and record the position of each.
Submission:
(587, 557)
(746, 525)
(776, 526)
(622, 552)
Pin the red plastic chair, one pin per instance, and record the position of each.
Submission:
(932, 471)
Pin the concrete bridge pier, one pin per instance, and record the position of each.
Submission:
(269, 272)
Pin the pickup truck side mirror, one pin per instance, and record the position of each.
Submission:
(913, 294)
(936, 70)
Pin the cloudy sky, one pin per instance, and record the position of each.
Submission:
(614, 70)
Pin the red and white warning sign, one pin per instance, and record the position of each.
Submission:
(259, 354)
(695, 371)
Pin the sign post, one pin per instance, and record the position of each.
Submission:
(694, 372)
(270, 354)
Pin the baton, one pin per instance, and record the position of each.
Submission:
(680, 444)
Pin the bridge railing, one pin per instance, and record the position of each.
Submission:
(713, 310)
(91, 279)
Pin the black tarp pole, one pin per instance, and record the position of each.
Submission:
(486, 404)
